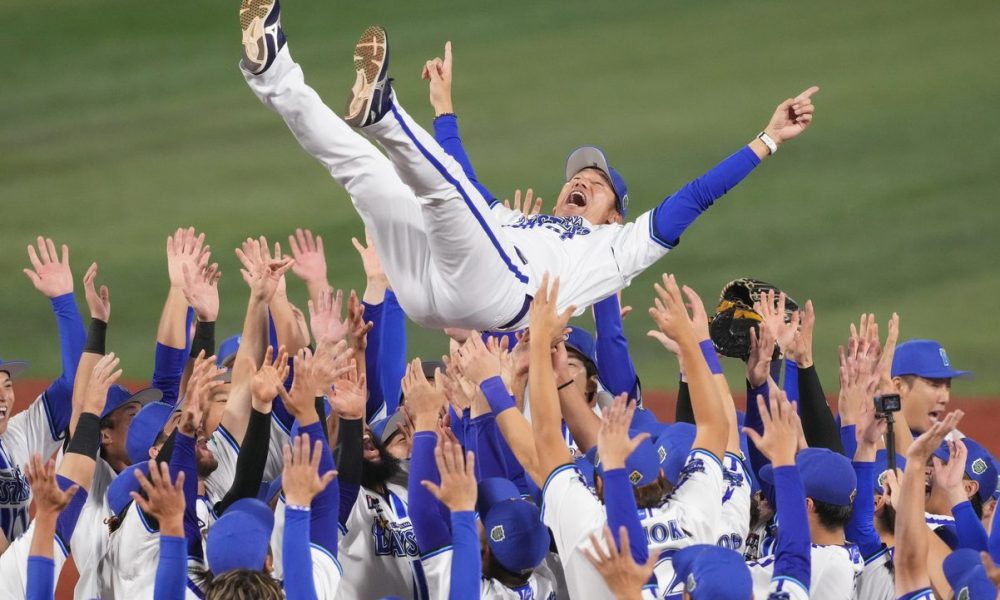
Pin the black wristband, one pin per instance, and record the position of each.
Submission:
(321, 413)
(86, 440)
(96, 336)
(204, 339)
(565, 385)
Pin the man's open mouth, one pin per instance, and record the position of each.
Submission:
(577, 198)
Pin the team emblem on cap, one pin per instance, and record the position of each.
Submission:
(854, 494)
(979, 466)
(881, 479)
(691, 583)
(662, 453)
(963, 594)
(635, 477)
(944, 357)
(497, 534)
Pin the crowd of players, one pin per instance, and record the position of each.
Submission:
(309, 457)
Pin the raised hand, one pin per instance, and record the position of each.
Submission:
(310, 259)
(300, 480)
(924, 446)
(266, 382)
(49, 499)
(871, 428)
(772, 310)
(476, 362)
(201, 290)
(949, 475)
(459, 391)
(99, 302)
(858, 381)
(184, 248)
(105, 374)
(259, 271)
(531, 207)
(370, 260)
(668, 311)
(458, 477)
(762, 343)
(613, 441)
(781, 428)
(201, 385)
(325, 317)
(885, 385)
(49, 273)
(349, 396)
(424, 400)
(162, 498)
(625, 578)
(358, 328)
(801, 348)
(545, 320)
(792, 117)
(438, 72)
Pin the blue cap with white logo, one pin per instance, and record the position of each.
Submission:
(582, 342)
(967, 577)
(924, 358)
(979, 466)
(712, 572)
(516, 535)
(642, 466)
(676, 442)
(882, 467)
(592, 157)
(826, 475)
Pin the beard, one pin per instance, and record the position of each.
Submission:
(205, 462)
(376, 473)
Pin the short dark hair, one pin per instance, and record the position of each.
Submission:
(243, 584)
(977, 504)
(832, 516)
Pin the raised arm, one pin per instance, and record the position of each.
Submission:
(615, 445)
(185, 250)
(201, 291)
(50, 500)
(164, 499)
(615, 368)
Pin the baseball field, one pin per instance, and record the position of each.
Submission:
(123, 120)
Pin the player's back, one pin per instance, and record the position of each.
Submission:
(834, 571)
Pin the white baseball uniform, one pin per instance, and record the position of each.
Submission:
(735, 504)
(542, 585)
(877, 581)
(89, 543)
(834, 571)
(452, 259)
(378, 549)
(133, 551)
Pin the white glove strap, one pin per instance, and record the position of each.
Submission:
(771, 146)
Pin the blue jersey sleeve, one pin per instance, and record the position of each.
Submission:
(619, 501)
(426, 512)
(41, 578)
(168, 369)
(183, 459)
(971, 533)
(754, 421)
(860, 528)
(615, 368)
(325, 510)
(794, 548)
(446, 134)
(373, 361)
(484, 441)
(68, 518)
(171, 572)
(676, 213)
(298, 582)
(59, 395)
(466, 563)
(393, 342)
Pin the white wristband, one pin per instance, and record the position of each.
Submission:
(771, 146)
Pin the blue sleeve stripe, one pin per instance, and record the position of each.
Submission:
(433, 553)
(707, 454)
(331, 555)
(781, 579)
(549, 479)
(281, 425)
(875, 556)
(652, 231)
(228, 437)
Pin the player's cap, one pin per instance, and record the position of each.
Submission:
(826, 475)
(644, 421)
(966, 575)
(118, 396)
(146, 426)
(227, 351)
(712, 572)
(516, 535)
(122, 484)
(996, 493)
(240, 538)
(493, 490)
(979, 466)
(643, 466)
(13, 368)
(580, 341)
(592, 157)
(385, 428)
(924, 358)
(882, 467)
(676, 442)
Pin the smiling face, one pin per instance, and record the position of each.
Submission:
(924, 401)
(588, 194)
(6, 400)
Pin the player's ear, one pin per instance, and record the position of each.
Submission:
(269, 562)
(105, 437)
(971, 487)
(616, 217)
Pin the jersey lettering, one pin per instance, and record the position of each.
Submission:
(660, 533)
(14, 490)
(732, 541)
(566, 227)
(395, 540)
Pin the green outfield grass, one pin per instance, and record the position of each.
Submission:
(122, 120)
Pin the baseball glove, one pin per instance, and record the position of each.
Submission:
(735, 316)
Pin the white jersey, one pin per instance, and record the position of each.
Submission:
(877, 581)
(133, 551)
(378, 549)
(327, 572)
(28, 432)
(541, 585)
(14, 564)
(89, 543)
(833, 572)
(692, 514)
(735, 504)
(227, 452)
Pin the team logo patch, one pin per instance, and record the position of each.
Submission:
(963, 594)
(497, 534)
(690, 584)
(661, 452)
(944, 357)
(881, 479)
(635, 477)
(854, 494)
(979, 466)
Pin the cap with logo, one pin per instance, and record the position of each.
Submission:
(240, 538)
(967, 577)
(144, 429)
(924, 358)
(882, 467)
(580, 341)
(642, 466)
(826, 475)
(675, 444)
(979, 466)
(712, 573)
(514, 530)
(13, 368)
(592, 157)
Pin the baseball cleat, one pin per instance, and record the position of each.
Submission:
(262, 34)
(371, 96)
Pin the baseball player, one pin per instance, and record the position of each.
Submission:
(453, 260)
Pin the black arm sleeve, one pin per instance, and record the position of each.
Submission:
(684, 412)
(167, 449)
(251, 461)
(349, 451)
(96, 337)
(818, 424)
(204, 339)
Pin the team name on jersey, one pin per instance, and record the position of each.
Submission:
(566, 227)
(395, 540)
(660, 533)
(14, 490)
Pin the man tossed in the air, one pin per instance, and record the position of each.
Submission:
(453, 259)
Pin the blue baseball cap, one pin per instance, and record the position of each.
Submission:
(146, 426)
(387, 427)
(644, 421)
(643, 466)
(966, 575)
(713, 573)
(13, 367)
(516, 535)
(118, 396)
(582, 342)
(493, 490)
(592, 157)
(123, 483)
(240, 539)
(979, 466)
(675, 445)
(826, 475)
(996, 493)
(924, 358)
(227, 351)
(882, 466)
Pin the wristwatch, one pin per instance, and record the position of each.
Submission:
(772, 147)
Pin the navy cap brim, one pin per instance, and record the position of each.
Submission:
(143, 397)
(13, 367)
